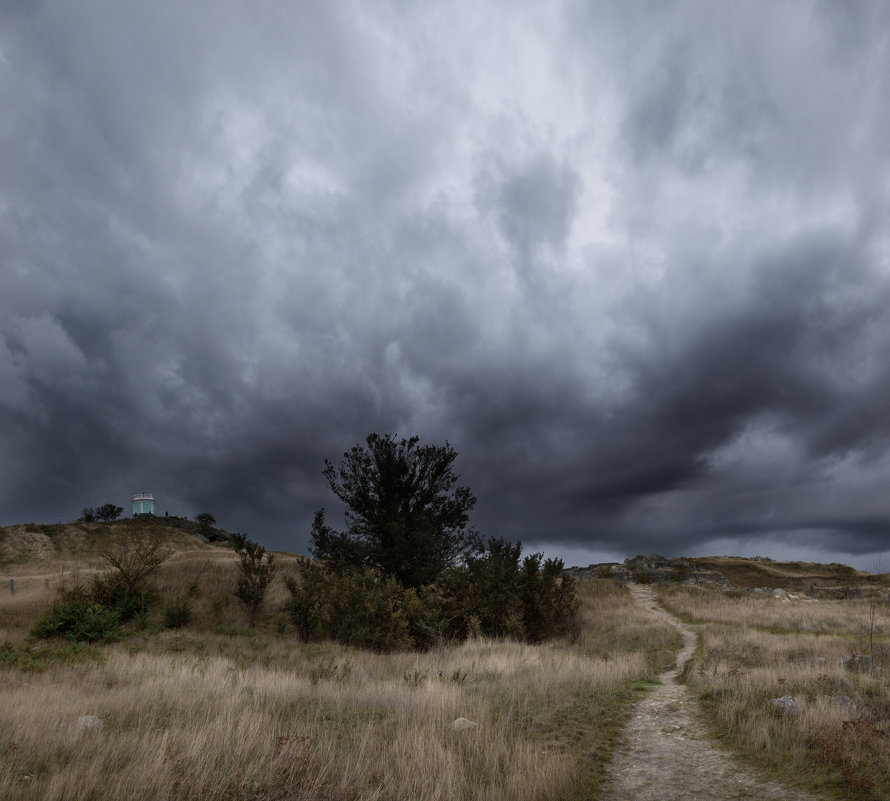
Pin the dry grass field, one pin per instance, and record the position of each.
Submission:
(755, 648)
(215, 710)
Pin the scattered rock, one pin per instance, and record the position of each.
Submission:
(90, 723)
(786, 704)
(857, 662)
(843, 700)
(461, 724)
(651, 569)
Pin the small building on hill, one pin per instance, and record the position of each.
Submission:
(143, 504)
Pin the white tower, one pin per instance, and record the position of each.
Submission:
(143, 504)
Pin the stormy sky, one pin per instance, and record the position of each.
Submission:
(631, 259)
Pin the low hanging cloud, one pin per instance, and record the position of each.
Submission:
(630, 260)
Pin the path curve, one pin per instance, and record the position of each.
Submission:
(667, 755)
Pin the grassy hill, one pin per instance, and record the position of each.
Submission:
(214, 709)
(29, 543)
(42, 559)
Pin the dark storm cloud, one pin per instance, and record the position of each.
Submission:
(630, 259)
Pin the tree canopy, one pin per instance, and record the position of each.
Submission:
(405, 513)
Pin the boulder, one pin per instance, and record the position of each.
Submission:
(856, 662)
(786, 704)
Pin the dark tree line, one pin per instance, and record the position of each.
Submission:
(104, 514)
(407, 569)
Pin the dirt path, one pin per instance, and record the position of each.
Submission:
(667, 756)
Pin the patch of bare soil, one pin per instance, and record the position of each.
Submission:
(667, 754)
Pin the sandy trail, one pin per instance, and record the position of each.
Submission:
(667, 755)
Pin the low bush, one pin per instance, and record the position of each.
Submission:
(499, 594)
(496, 594)
(128, 604)
(94, 613)
(256, 568)
(178, 613)
(360, 608)
(77, 616)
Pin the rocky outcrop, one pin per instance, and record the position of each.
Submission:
(649, 569)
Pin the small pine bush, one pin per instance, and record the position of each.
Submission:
(256, 568)
(500, 594)
(113, 593)
(93, 614)
(178, 613)
(360, 607)
(77, 616)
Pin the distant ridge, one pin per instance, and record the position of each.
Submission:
(32, 542)
(743, 573)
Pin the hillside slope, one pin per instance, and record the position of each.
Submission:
(29, 542)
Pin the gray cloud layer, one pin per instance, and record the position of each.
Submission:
(632, 260)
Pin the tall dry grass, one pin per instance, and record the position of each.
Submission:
(754, 649)
(215, 711)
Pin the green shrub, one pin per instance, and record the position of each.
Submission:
(494, 595)
(307, 607)
(482, 598)
(368, 610)
(91, 614)
(362, 608)
(77, 616)
(128, 603)
(256, 568)
(497, 595)
(178, 613)
(550, 606)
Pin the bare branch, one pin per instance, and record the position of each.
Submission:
(137, 557)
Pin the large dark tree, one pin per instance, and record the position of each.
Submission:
(405, 513)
